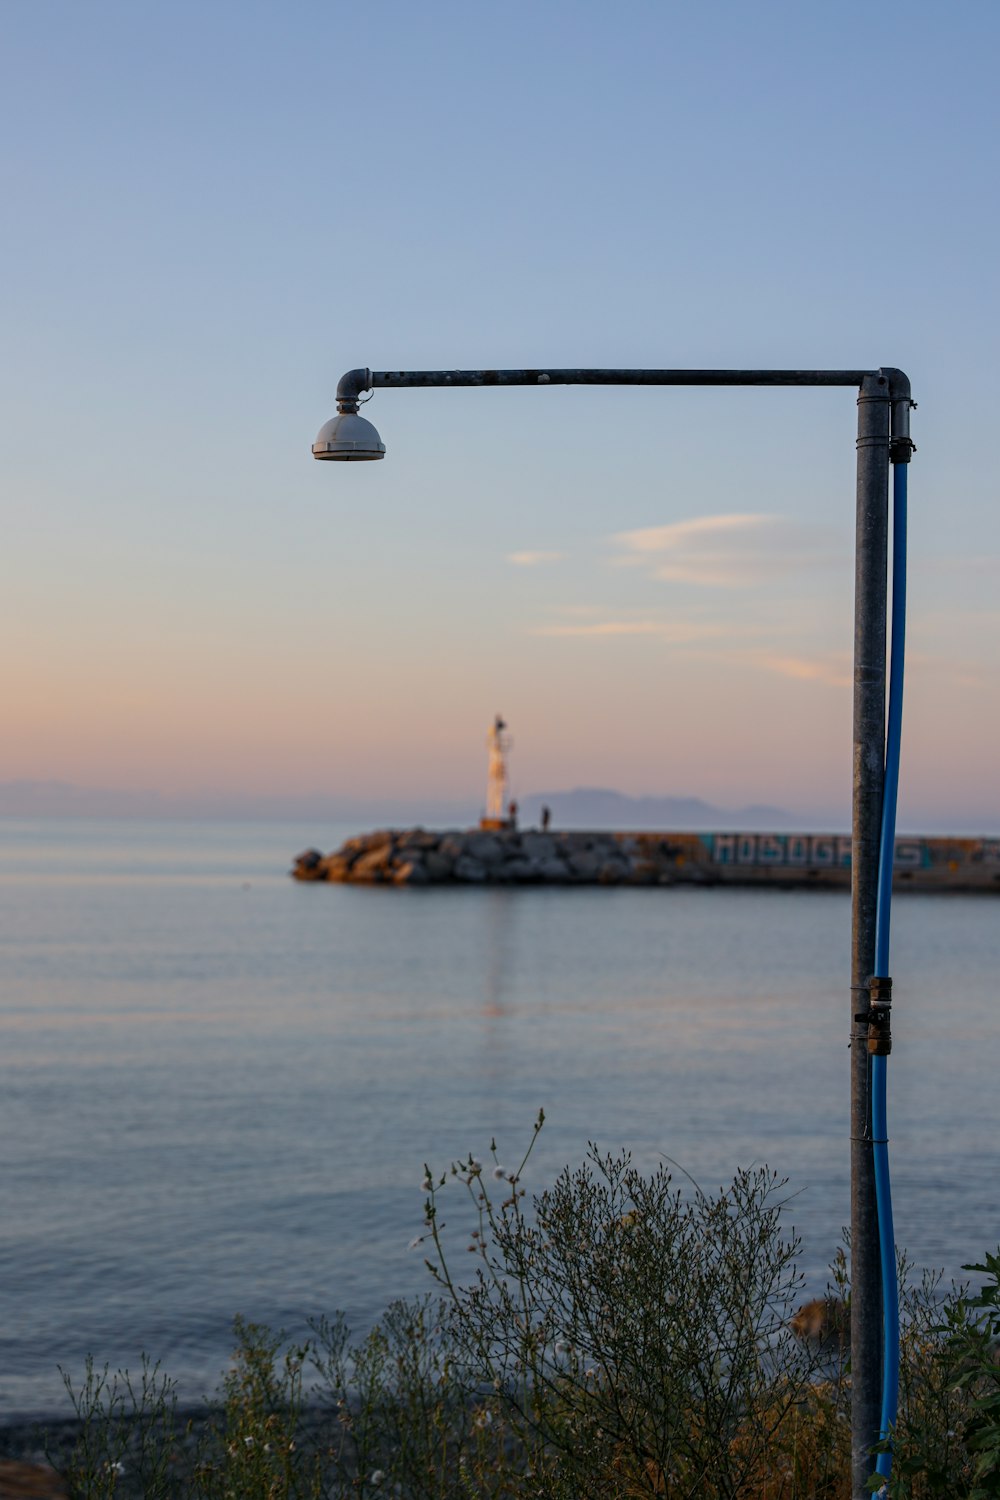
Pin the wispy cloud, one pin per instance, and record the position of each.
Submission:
(728, 551)
(834, 670)
(533, 559)
(677, 633)
(722, 641)
(831, 669)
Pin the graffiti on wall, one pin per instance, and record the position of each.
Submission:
(804, 850)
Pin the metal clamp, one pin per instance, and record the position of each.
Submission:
(878, 1015)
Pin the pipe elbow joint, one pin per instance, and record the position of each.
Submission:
(350, 387)
(901, 445)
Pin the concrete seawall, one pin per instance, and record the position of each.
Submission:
(419, 856)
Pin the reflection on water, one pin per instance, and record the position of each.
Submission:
(499, 917)
(218, 1099)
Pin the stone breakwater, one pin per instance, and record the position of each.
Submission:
(507, 856)
(415, 856)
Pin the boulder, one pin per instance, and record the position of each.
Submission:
(373, 864)
(336, 867)
(438, 865)
(485, 847)
(453, 845)
(538, 845)
(363, 842)
(410, 872)
(308, 865)
(552, 869)
(417, 838)
(469, 869)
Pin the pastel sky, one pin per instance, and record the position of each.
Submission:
(212, 210)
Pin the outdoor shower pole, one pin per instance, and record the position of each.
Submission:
(871, 561)
(883, 433)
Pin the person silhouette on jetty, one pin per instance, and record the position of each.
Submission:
(546, 819)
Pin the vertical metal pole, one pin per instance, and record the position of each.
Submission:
(869, 761)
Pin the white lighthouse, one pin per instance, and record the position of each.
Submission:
(499, 812)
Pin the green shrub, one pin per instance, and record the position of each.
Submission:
(635, 1338)
(620, 1337)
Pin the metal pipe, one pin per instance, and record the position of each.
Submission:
(869, 759)
(384, 379)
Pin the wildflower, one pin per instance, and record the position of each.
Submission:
(562, 1346)
(115, 1470)
(376, 1476)
(483, 1418)
(417, 1240)
(248, 1441)
(499, 1173)
(427, 1184)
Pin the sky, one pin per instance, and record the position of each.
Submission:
(215, 209)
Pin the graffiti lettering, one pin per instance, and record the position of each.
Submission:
(822, 851)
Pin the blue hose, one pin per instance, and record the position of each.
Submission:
(880, 1149)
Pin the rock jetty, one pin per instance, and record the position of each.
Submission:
(417, 856)
(510, 856)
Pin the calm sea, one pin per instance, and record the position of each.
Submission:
(218, 1087)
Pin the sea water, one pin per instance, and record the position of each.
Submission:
(219, 1087)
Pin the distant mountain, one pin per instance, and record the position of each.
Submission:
(600, 807)
(581, 807)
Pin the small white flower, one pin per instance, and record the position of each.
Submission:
(563, 1347)
(417, 1240)
(116, 1469)
(376, 1476)
(427, 1185)
(499, 1174)
(248, 1441)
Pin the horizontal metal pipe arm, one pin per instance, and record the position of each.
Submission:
(887, 384)
(384, 379)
